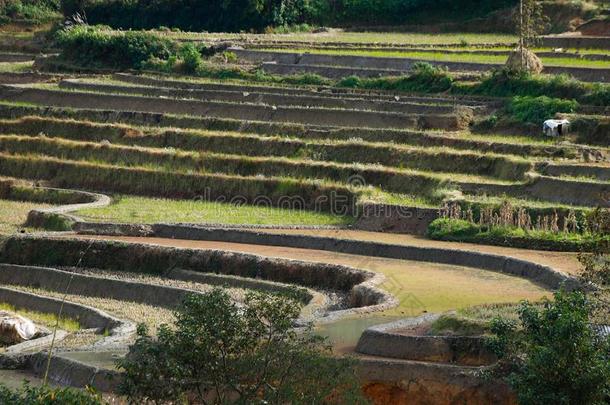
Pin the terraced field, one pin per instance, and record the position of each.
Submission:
(272, 187)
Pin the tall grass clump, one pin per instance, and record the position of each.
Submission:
(537, 109)
(423, 78)
(97, 47)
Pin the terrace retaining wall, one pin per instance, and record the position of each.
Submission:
(541, 274)
(277, 99)
(576, 170)
(575, 41)
(385, 341)
(364, 296)
(92, 286)
(400, 65)
(395, 219)
(88, 317)
(309, 132)
(315, 91)
(320, 116)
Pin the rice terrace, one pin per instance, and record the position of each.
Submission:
(304, 201)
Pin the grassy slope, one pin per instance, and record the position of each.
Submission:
(151, 210)
(14, 213)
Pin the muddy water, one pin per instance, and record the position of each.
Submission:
(419, 286)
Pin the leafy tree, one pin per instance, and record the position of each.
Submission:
(220, 352)
(554, 355)
(596, 267)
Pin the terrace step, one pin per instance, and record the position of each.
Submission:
(321, 116)
(315, 91)
(575, 42)
(551, 189)
(595, 171)
(395, 48)
(276, 99)
(253, 137)
(310, 62)
(162, 183)
(16, 57)
(256, 150)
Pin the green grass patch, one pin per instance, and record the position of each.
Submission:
(45, 319)
(133, 209)
(537, 109)
(464, 231)
(473, 320)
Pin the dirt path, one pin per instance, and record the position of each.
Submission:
(566, 262)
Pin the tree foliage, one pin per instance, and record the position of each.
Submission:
(246, 15)
(220, 352)
(554, 355)
(596, 268)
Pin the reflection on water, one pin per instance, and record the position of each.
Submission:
(105, 359)
(344, 333)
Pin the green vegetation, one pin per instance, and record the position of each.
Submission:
(154, 210)
(460, 230)
(97, 47)
(424, 78)
(506, 83)
(246, 15)
(46, 319)
(46, 395)
(553, 353)
(537, 109)
(34, 11)
(220, 353)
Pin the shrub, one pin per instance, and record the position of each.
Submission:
(46, 395)
(537, 109)
(96, 47)
(553, 355)
(424, 78)
(221, 353)
(191, 58)
(444, 228)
